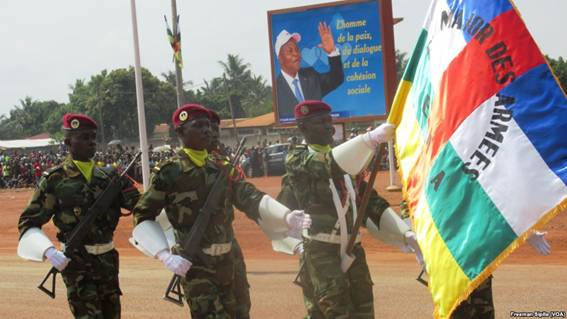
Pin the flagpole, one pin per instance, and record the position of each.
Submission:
(178, 74)
(140, 100)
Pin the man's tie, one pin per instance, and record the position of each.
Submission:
(297, 92)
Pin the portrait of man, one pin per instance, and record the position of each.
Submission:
(295, 84)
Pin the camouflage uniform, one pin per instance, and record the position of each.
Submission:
(241, 285)
(328, 292)
(182, 188)
(479, 305)
(64, 195)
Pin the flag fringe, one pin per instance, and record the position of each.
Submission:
(498, 260)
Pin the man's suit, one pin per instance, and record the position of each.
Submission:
(314, 85)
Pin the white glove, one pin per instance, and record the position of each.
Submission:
(412, 245)
(295, 233)
(56, 258)
(539, 243)
(297, 220)
(298, 249)
(381, 134)
(175, 263)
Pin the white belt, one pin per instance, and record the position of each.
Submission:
(97, 249)
(329, 238)
(218, 249)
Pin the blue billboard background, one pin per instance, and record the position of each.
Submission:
(356, 31)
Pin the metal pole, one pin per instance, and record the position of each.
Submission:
(231, 108)
(178, 74)
(140, 101)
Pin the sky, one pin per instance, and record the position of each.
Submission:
(47, 45)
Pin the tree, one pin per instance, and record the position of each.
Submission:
(559, 67)
(110, 98)
(401, 63)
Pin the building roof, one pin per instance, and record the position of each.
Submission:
(264, 120)
(40, 136)
(28, 143)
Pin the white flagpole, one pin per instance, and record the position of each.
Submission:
(140, 101)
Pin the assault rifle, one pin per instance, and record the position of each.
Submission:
(192, 245)
(74, 243)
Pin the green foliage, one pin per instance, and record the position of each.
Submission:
(559, 67)
(249, 93)
(401, 63)
(110, 98)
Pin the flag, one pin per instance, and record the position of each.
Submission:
(481, 142)
(175, 42)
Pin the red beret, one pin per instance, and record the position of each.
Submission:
(311, 107)
(73, 121)
(214, 117)
(188, 112)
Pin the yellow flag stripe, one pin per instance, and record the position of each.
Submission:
(441, 265)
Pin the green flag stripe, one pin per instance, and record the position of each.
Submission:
(422, 91)
(409, 73)
(468, 221)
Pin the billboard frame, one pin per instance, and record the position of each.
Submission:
(388, 56)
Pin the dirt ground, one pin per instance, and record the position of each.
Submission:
(526, 281)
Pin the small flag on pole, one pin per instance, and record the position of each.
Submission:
(175, 42)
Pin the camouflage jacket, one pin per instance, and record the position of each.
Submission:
(234, 175)
(306, 186)
(182, 188)
(64, 194)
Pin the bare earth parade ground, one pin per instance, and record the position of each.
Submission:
(526, 282)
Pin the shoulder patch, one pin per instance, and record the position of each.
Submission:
(52, 170)
(299, 147)
(163, 164)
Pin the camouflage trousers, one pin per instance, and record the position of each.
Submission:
(479, 305)
(93, 290)
(330, 293)
(209, 288)
(241, 285)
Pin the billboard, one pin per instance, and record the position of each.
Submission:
(340, 52)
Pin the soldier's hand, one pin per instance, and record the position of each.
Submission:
(383, 133)
(297, 220)
(57, 258)
(174, 263)
(411, 242)
(538, 242)
(298, 249)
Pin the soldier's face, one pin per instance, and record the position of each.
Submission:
(290, 58)
(196, 134)
(215, 137)
(82, 144)
(318, 129)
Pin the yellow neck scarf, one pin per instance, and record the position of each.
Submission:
(86, 168)
(321, 148)
(196, 156)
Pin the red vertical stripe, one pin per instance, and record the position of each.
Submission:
(470, 78)
(469, 81)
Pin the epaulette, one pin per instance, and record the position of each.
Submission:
(299, 147)
(163, 164)
(52, 170)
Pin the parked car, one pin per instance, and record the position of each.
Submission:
(275, 158)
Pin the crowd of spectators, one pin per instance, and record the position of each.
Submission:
(19, 170)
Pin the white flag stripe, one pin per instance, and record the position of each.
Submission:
(443, 44)
(518, 181)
